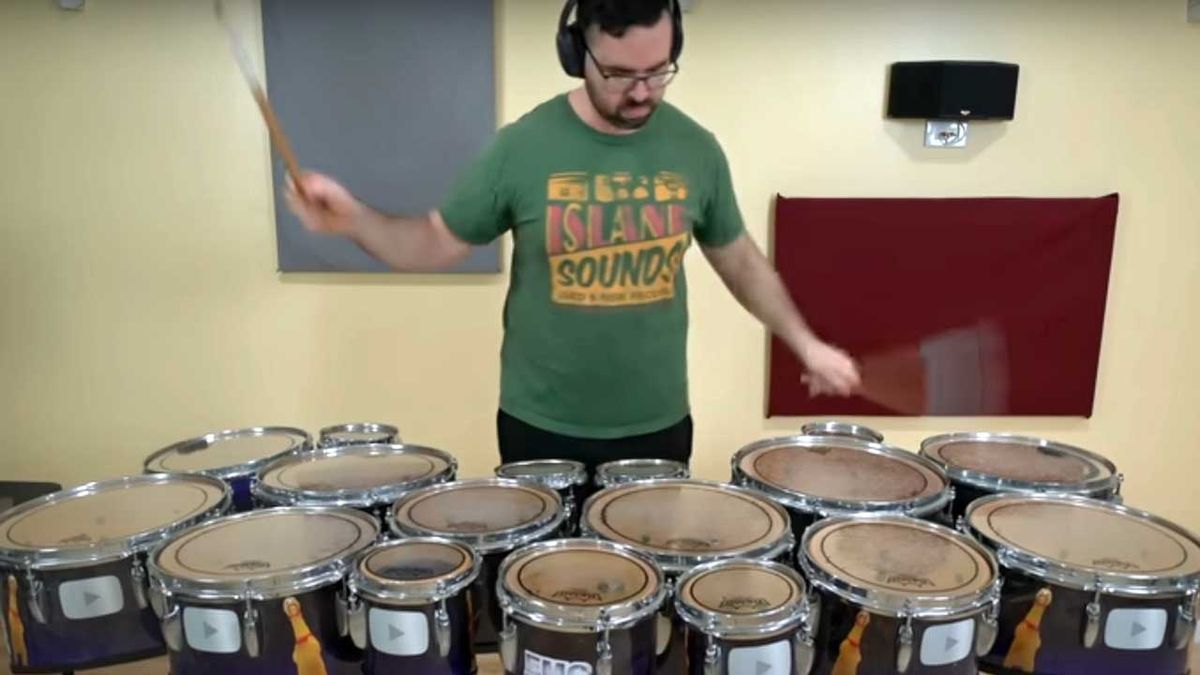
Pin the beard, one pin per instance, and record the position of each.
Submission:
(615, 115)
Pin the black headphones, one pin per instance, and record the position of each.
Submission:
(572, 50)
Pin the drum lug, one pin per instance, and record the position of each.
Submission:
(712, 658)
(354, 617)
(1091, 630)
(988, 626)
(342, 603)
(812, 617)
(441, 626)
(663, 625)
(905, 639)
(138, 575)
(157, 595)
(662, 630)
(36, 597)
(568, 517)
(250, 637)
(172, 625)
(803, 651)
(604, 655)
(508, 639)
(1185, 622)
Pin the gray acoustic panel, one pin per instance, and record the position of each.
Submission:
(394, 99)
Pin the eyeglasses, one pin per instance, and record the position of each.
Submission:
(624, 81)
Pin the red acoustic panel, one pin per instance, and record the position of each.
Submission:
(974, 306)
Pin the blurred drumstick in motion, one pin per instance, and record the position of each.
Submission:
(278, 138)
(963, 371)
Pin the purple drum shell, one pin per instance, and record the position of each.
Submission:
(118, 630)
(541, 650)
(288, 645)
(459, 661)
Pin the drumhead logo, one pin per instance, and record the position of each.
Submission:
(248, 566)
(468, 526)
(909, 581)
(536, 664)
(577, 596)
(1114, 564)
(738, 605)
(689, 544)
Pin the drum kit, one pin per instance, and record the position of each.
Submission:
(828, 552)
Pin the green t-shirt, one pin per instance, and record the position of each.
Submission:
(595, 341)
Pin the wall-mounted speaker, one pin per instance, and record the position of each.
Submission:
(952, 90)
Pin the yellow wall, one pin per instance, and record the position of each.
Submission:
(137, 279)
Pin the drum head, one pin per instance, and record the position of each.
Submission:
(742, 598)
(355, 434)
(842, 474)
(1010, 459)
(554, 473)
(273, 551)
(490, 514)
(629, 470)
(1083, 539)
(682, 523)
(132, 513)
(576, 581)
(356, 469)
(884, 562)
(846, 429)
(417, 568)
(228, 450)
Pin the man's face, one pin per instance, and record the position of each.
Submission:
(643, 50)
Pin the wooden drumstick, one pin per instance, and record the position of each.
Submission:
(278, 138)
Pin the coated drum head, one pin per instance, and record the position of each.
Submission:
(629, 470)
(742, 598)
(574, 582)
(883, 562)
(359, 475)
(1077, 541)
(227, 453)
(107, 520)
(846, 429)
(682, 523)
(358, 433)
(840, 474)
(1000, 460)
(422, 569)
(267, 553)
(489, 514)
(556, 474)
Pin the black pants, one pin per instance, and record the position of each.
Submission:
(520, 442)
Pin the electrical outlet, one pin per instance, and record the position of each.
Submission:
(71, 4)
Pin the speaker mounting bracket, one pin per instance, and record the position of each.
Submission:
(945, 134)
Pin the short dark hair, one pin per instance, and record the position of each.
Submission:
(617, 16)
